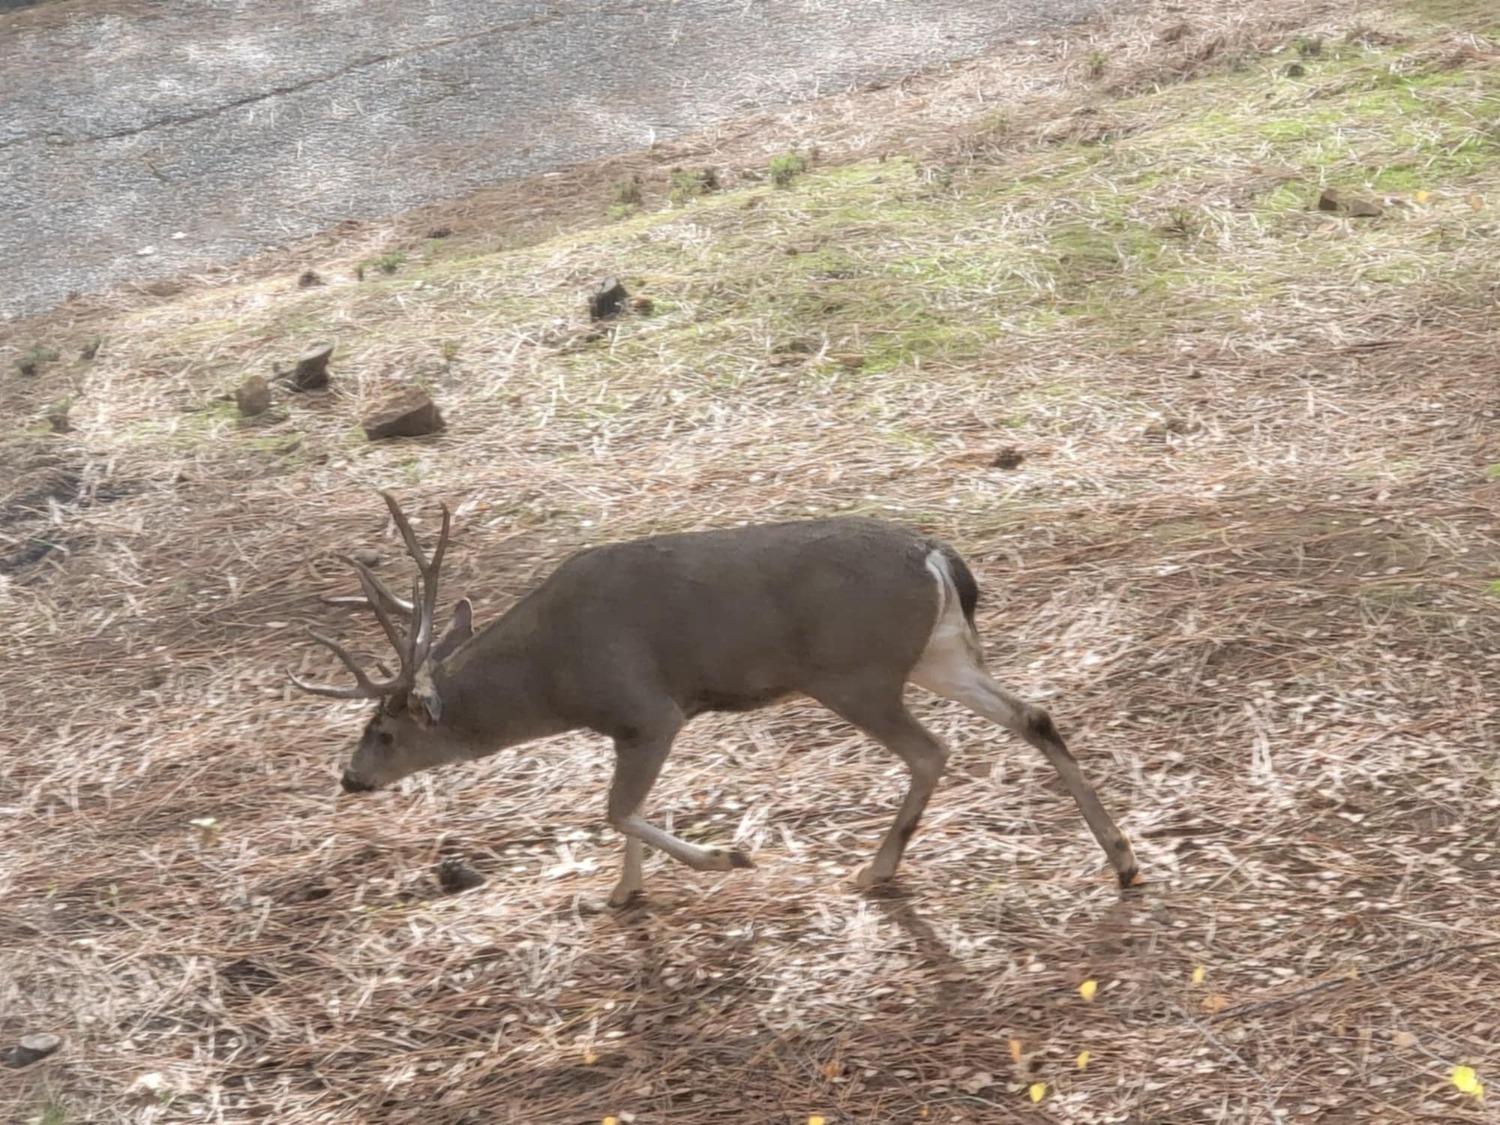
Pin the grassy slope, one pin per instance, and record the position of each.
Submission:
(1249, 554)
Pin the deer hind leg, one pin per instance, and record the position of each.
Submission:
(638, 763)
(953, 668)
(886, 719)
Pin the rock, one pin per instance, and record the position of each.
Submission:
(440, 232)
(253, 396)
(410, 412)
(308, 279)
(30, 1049)
(311, 372)
(1295, 70)
(455, 875)
(606, 299)
(785, 359)
(1008, 457)
(1356, 206)
(151, 1086)
(1171, 426)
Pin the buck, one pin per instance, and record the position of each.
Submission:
(633, 639)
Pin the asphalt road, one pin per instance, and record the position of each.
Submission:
(206, 130)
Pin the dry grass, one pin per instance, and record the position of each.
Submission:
(1249, 560)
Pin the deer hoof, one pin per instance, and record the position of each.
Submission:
(868, 877)
(624, 896)
(724, 859)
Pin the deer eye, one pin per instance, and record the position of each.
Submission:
(386, 738)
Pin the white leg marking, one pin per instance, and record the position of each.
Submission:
(631, 882)
(700, 859)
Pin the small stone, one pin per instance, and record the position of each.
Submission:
(30, 1049)
(644, 306)
(253, 396)
(146, 251)
(1008, 457)
(440, 232)
(606, 299)
(152, 1084)
(311, 372)
(308, 278)
(1295, 70)
(455, 875)
(785, 359)
(1356, 206)
(409, 412)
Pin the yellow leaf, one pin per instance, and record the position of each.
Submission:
(832, 1070)
(1214, 1002)
(1087, 990)
(1015, 1051)
(1467, 1081)
(1037, 1090)
(590, 1056)
(1423, 196)
(923, 1112)
(815, 1119)
(1476, 201)
(1083, 1060)
(1199, 972)
(611, 1121)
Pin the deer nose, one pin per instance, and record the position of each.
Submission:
(353, 784)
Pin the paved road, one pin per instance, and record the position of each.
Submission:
(237, 125)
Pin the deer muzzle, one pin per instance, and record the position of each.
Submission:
(352, 783)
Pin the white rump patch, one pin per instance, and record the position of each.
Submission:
(952, 653)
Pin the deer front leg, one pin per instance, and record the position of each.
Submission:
(638, 763)
(631, 883)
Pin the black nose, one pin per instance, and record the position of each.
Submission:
(353, 784)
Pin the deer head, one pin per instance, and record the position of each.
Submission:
(406, 733)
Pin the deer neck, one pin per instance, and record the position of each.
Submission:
(492, 691)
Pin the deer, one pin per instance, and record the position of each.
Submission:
(631, 640)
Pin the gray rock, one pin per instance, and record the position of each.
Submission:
(606, 299)
(454, 875)
(311, 372)
(253, 396)
(30, 1049)
(1356, 206)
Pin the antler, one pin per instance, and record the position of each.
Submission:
(413, 646)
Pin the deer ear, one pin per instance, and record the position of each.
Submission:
(423, 701)
(460, 629)
(426, 708)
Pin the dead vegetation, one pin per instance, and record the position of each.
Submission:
(1225, 464)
